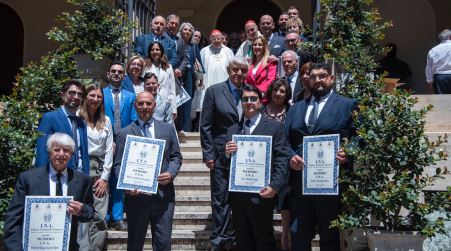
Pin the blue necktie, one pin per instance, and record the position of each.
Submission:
(313, 115)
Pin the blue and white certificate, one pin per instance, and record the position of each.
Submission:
(141, 164)
(46, 224)
(320, 173)
(250, 168)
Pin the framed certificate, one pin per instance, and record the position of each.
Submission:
(46, 223)
(320, 173)
(141, 164)
(250, 168)
(181, 96)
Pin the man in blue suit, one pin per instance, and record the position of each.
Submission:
(156, 209)
(143, 41)
(325, 112)
(276, 43)
(66, 121)
(119, 108)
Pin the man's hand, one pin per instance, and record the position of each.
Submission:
(177, 73)
(164, 178)
(342, 157)
(100, 187)
(132, 193)
(230, 148)
(272, 58)
(75, 207)
(210, 164)
(297, 163)
(267, 192)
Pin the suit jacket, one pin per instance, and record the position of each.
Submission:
(179, 48)
(335, 118)
(263, 78)
(163, 110)
(298, 92)
(128, 112)
(56, 121)
(127, 84)
(276, 45)
(36, 182)
(172, 159)
(143, 41)
(280, 148)
(219, 112)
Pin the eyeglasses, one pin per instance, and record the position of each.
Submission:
(323, 76)
(249, 99)
(117, 71)
(74, 93)
(291, 40)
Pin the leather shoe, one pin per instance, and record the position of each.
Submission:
(118, 226)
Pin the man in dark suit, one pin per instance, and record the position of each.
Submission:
(276, 43)
(118, 104)
(171, 29)
(220, 110)
(65, 120)
(282, 24)
(45, 182)
(158, 209)
(292, 73)
(253, 213)
(325, 112)
(143, 41)
(293, 42)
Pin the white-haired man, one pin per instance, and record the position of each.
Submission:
(438, 66)
(54, 180)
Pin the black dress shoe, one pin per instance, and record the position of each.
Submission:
(119, 226)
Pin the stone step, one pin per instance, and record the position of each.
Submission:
(192, 182)
(189, 137)
(192, 157)
(191, 190)
(193, 170)
(191, 146)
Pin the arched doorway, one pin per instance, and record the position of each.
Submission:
(236, 13)
(12, 47)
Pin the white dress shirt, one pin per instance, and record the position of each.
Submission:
(321, 104)
(254, 122)
(52, 180)
(438, 60)
(100, 144)
(151, 128)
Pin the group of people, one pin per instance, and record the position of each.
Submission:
(270, 86)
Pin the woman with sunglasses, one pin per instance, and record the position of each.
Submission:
(100, 149)
(261, 72)
(132, 81)
(157, 63)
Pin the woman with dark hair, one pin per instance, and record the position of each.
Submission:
(304, 72)
(191, 69)
(133, 81)
(158, 64)
(261, 72)
(279, 94)
(100, 149)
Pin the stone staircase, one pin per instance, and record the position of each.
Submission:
(192, 218)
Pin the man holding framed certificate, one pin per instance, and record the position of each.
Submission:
(47, 190)
(307, 124)
(156, 159)
(256, 151)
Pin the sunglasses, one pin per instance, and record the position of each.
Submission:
(117, 71)
(249, 99)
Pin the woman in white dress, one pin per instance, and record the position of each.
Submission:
(100, 149)
(157, 63)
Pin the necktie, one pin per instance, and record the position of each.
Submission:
(74, 127)
(59, 186)
(313, 115)
(146, 132)
(247, 128)
(237, 93)
(117, 111)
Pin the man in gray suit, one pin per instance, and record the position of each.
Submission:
(157, 208)
(221, 109)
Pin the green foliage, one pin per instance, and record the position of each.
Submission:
(391, 150)
(95, 29)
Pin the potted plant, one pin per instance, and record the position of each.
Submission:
(95, 33)
(391, 151)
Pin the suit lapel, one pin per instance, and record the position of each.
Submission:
(72, 184)
(109, 99)
(229, 97)
(326, 109)
(42, 184)
(123, 99)
(157, 131)
(260, 128)
(135, 128)
(67, 125)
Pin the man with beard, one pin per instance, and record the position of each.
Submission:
(325, 112)
(282, 23)
(66, 121)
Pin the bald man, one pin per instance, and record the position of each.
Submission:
(252, 33)
(276, 43)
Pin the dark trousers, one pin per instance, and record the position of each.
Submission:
(442, 83)
(142, 209)
(253, 221)
(219, 181)
(309, 211)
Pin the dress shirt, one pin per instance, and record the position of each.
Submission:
(52, 180)
(68, 113)
(138, 88)
(151, 128)
(254, 122)
(321, 104)
(100, 144)
(438, 60)
(292, 81)
(118, 94)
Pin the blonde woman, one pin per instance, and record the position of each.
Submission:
(133, 81)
